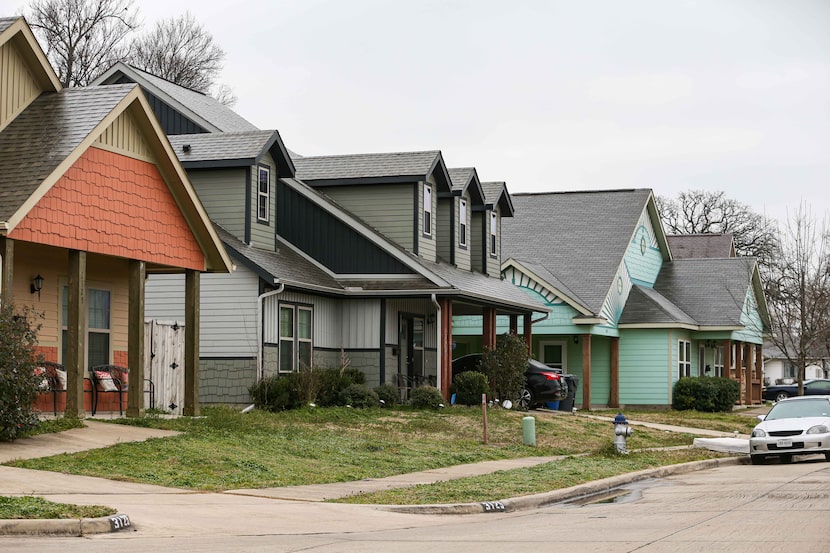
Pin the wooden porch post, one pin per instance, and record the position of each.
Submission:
(191, 343)
(727, 359)
(528, 332)
(759, 373)
(739, 368)
(514, 324)
(614, 400)
(586, 371)
(750, 368)
(445, 371)
(135, 339)
(489, 337)
(7, 277)
(76, 335)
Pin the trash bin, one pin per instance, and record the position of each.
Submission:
(567, 402)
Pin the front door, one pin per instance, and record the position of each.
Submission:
(411, 360)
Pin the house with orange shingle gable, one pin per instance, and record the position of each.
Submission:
(92, 200)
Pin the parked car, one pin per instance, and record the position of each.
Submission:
(794, 426)
(816, 386)
(542, 383)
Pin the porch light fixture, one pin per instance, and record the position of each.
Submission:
(576, 338)
(37, 285)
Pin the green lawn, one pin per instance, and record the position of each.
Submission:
(35, 507)
(226, 449)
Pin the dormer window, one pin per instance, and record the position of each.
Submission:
(462, 222)
(263, 194)
(493, 229)
(427, 210)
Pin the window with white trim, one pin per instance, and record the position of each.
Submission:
(684, 358)
(718, 362)
(462, 222)
(98, 326)
(494, 223)
(263, 193)
(296, 323)
(427, 210)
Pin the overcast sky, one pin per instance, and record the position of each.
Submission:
(729, 95)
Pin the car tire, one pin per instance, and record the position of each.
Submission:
(781, 395)
(525, 401)
(757, 459)
(827, 456)
(786, 459)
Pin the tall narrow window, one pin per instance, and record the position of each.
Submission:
(427, 210)
(286, 339)
(718, 361)
(493, 229)
(304, 336)
(684, 358)
(462, 222)
(263, 194)
(98, 326)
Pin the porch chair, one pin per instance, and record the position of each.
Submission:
(109, 378)
(56, 382)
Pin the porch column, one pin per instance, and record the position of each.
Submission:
(750, 368)
(135, 339)
(586, 371)
(489, 338)
(739, 369)
(445, 370)
(528, 330)
(76, 335)
(759, 373)
(614, 400)
(191, 343)
(727, 359)
(7, 268)
(514, 324)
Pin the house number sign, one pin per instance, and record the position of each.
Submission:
(119, 522)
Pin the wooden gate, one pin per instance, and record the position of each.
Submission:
(164, 364)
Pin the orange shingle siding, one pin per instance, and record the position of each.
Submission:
(112, 204)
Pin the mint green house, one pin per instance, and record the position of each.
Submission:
(627, 318)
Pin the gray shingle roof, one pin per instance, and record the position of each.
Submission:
(460, 177)
(495, 193)
(6, 22)
(580, 237)
(689, 246)
(361, 166)
(646, 305)
(231, 149)
(45, 134)
(711, 291)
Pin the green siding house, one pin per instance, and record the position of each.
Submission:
(627, 317)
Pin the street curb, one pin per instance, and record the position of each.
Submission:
(556, 496)
(67, 527)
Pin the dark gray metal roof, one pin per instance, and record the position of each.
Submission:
(417, 165)
(689, 246)
(205, 107)
(231, 149)
(45, 134)
(646, 305)
(580, 237)
(711, 291)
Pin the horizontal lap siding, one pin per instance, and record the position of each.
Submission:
(222, 192)
(645, 366)
(387, 208)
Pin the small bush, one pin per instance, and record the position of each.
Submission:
(359, 396)
(427, 397)
(505, 366)
(469, 386)
(706, 394)
(333, 381)
(19, 385)
(390, 395)
(276, 393)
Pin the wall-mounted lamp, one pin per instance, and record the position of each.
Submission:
(576, 339)
(430, 319)
(37, 285)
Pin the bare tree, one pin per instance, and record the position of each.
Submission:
(703, 212)
(181, 51)
(82, 38)
(798, 292)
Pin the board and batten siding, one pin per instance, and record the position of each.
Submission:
(222, 192)
(386, 207)
(427, 245)
(228, 310)
(646, 365)
(124, 137)
(19, 88)
(445, 206)
(325, 317)
(262, 234)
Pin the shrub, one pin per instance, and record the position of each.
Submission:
(427, 397)
(276, 393)
(390, 395)
(333, 381)
(359, 396)
(19, 385)
(469, 386)
(505, 366)
(309, 384)
(707, 394)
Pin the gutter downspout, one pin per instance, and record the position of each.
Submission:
(261, 323)
(440, 348)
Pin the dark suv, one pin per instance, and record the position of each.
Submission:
(542, 383)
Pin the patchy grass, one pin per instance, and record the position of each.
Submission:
(565, 473)
(723, 422)
(226, 449)
(27, 507)
(51, 426)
